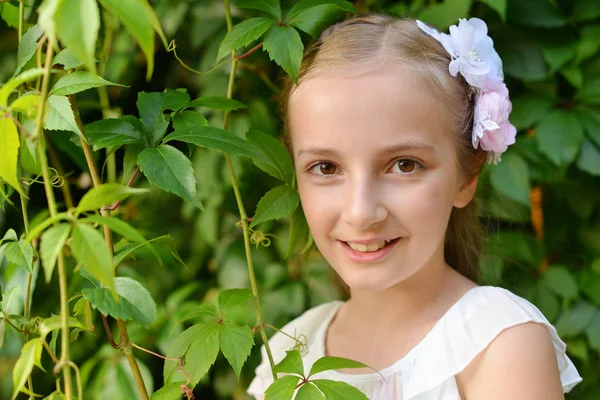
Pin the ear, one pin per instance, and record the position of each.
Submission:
(466, 192)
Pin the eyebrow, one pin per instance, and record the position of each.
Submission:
(326, 152)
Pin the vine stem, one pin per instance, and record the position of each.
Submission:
(124, 343)
(240, 204)
(53, 209)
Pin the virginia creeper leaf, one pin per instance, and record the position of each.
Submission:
(151, 107)
(171, 391)
(284, 45)
(291, 364)
(277, 203)
(27, 46)
(329, 363)
(21, 254)
(105, 194)
(282, 389)
(112, 132)
(2, 331)
(90, 250)
(298, 232)
(271, 7)
(10, 235)
(308, 391)
(30, 355)
(51, 244)
(169, 169)
(59, 115)
(335, 390)
(499, 6)
(48, 325)
(232, 298)
(83, 311)
(175, 100)
(576, 319)
(15, 82)
(77, 25)
(79, 81)
(273, 158)
(445, 14)
(243, 34)
(206, 309)
(216, 103)
(26, 104)
(511, 178)
(560, 280)
(236, 344)
(559, 136)
(589, 158)
(67, 59)
(9, 143)
(312, 16)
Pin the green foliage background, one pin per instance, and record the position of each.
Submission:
(551, 55)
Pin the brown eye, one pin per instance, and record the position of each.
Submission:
(327, 169)
(406, 166)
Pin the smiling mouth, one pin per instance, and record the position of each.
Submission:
(370, 248)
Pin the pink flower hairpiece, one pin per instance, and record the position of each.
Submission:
(473, 56)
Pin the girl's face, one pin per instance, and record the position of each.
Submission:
(377, 174)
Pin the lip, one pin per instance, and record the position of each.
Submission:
(372, 256)
(370, 241)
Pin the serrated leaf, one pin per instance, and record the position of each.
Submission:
(299, 232)
(273, 158)
(175, 100)
(48, 325)
(67, 59)
(10, 235)
(135, 302)
(511, 178)
(17, 81)
(10, 15)
(284, 45)
(313, 19)
(560, 280)
(236, 344)
(2, 331)
(51, 244)
(559, 136)
(206, 309)
(83, 310)
(232, 298)
(59, 115)
(112, 132)
(169, 169)
(9, 143)
(151, 107)
(77, 25)
(27, 104)
(243, 34)
(27, 46)
(79, 81)
(30, 353)
(291, 364)
(271, 7)
(335, 390)
(308, 391)
(171, 391)
(589, 158)
(21, 254)
(211, 138)
(332, 363)
(216, 103)
(138, 17)
(90, 250)
(200, 346)
(104, 195)
(279, 202)
(282, 389)
(303, 5)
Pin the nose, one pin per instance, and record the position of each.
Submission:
(364, 207)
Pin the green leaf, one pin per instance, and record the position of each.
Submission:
(291, 364)
(171, 391)
(511, 178)
(77, 25)
(521, 55)
(585, 10)
(279, 202)
(332, 363)
(67, 59)
(83, 311)
(538, 13)
(282, 389)
(151, 107)
(211, 138)
(90, 250)
(236, 344)
(139, 19)
(2, 331)
(10, 235)
(589, 158)
(274, 158)
(135, 302)
(559, 136)
(21, 254)
(284, 45)
(217, 103)
(79, 81)
(27, 104)
(175, 100)
(560, 280)
(243, 34)
(313, 19)
(10, 15)
(593, 332)
(447, 13)
(9, 143)
(308, 391)
(27, 46)
(48, 325)
(303, 5)
(30, 355)
(104, 195)
(334, 390)
(169, 169)
(576, 319)
(271, 7)
(112, 132)
(499, 6)
(229, 299)
(59, 115)
(591, 124)
(15, 82)
(199, 345)
(51, 244)
(206, 309)
(299, 233)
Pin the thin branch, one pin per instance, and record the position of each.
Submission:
(252, 50)
(172, 47)
(108, 332)
(116, 204)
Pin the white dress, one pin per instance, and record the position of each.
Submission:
(428, 371)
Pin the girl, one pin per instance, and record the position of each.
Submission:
(389, 127)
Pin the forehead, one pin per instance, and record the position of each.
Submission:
(383, 107)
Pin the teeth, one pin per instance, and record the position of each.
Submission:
(363, 248)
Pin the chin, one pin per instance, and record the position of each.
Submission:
(370, 281)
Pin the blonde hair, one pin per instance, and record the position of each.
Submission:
(370, 41)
